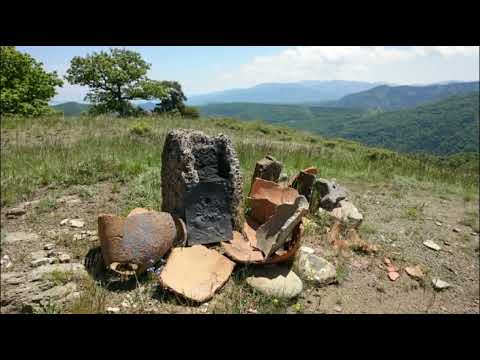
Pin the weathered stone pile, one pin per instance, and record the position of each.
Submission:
(202, 230)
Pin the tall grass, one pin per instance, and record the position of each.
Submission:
(62, 152)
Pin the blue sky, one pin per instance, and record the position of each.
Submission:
(203, 69)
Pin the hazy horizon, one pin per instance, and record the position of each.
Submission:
(206, 69)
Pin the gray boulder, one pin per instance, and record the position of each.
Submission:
(276, 281)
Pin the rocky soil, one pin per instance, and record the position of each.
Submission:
(44, 244)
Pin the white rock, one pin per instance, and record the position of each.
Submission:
(76, 223)
(338, 308)
(276, 281)
(438, 223)
(125, 304)
(64, 222)
(347, 213)
(64, 258)
(457, 230)
(40, 262)
(306, 250)
(113, 310)
(440, 284)
(430, 244)
(48, 246)
(317, 269)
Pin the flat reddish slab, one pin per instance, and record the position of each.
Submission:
(196, 272)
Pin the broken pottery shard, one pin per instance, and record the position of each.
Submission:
(137, 242)
(266, 196)
(414, 272)
(274, 233)
(110, 232)
(326, 194)
(250, 230)
(241, 251)
(268, 169)
(196, 272)
(190, 157)
(146, 238)
(354, 240)
(393, 275)
(207, 213)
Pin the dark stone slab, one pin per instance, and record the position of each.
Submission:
(268, 169)
(207, 213)
(304, 184)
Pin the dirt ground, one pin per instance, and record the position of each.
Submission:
(398, 221)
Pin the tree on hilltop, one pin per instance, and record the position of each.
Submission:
(25, 87)
(116, 78)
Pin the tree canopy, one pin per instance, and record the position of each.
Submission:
(117, 77)
(25, 87)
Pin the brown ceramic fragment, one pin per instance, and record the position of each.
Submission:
(275, 232)
(266, 196)
(241, 251)
(196, 272)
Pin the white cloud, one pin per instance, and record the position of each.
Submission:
(333, 62)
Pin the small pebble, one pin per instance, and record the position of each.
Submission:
(432, 245)
(439, 284)
(457, 230)
(337, 308)
(64, 258)
(48, 246)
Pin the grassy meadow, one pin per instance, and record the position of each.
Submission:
(61, 152)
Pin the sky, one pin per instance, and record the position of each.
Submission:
(204, 69)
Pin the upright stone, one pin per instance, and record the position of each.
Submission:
(267, 168)
(191, 158)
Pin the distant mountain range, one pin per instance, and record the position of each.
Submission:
(71, 108)
(312, 91)
(402, 97)
(441, 118)
(444, 127)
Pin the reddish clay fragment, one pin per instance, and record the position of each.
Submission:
(266, 196)
(240, 250)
